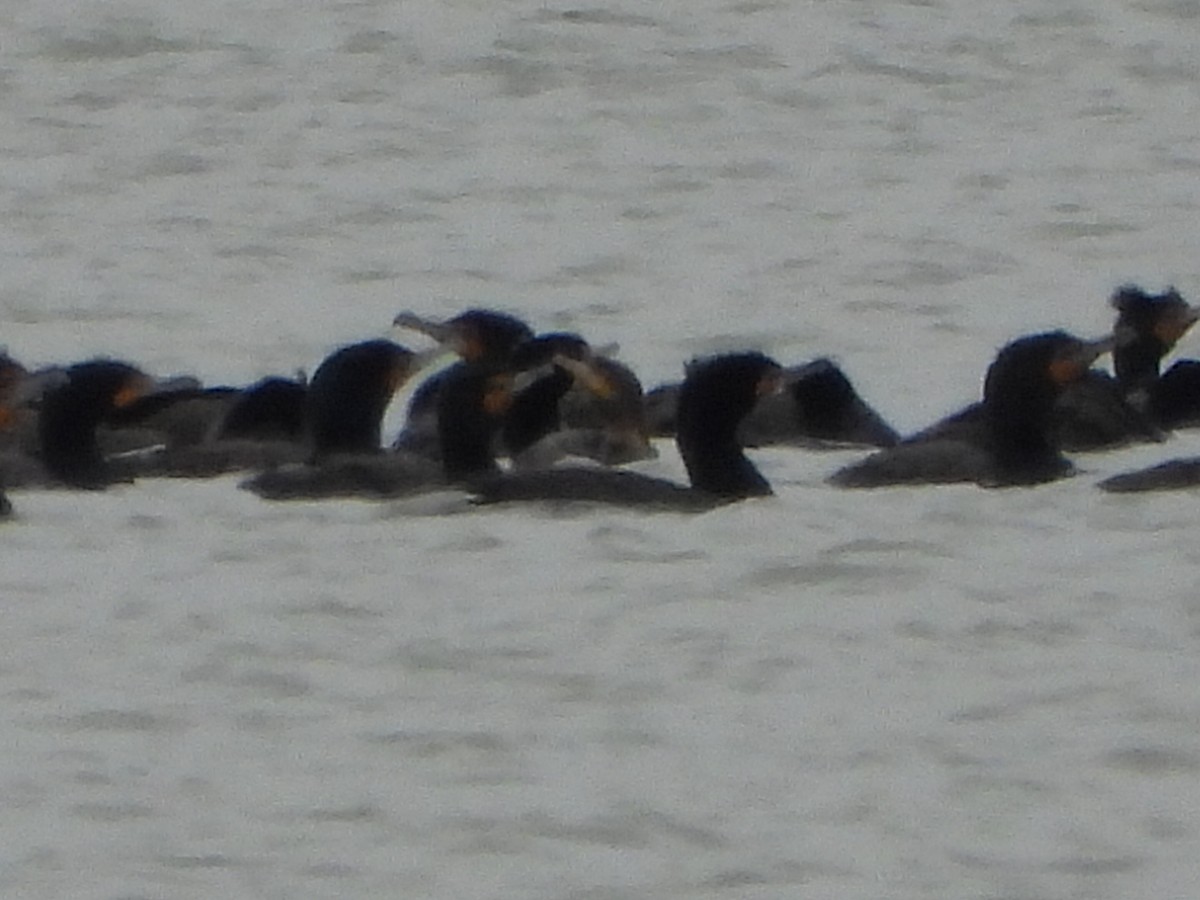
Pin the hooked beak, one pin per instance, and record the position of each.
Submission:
(439, 331)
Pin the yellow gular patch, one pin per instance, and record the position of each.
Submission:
(598, 385)
(469, 347)
(771, 383)
(497, 398)
(131, 391)
(1064, 371)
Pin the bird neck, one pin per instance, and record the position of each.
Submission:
(344, 425)
(715, 461)
(535, 412)
(67, 438)
(465, 428)
(1136, 363)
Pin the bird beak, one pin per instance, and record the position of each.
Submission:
(439, 331)
(585, 375)
(426, 358)
(1176, 325)
(1071, 366)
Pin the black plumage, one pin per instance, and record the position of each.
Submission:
(1008, 441)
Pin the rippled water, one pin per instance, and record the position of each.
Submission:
(912, 693)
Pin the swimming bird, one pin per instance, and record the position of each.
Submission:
(278, 422)
(343, 411)
(67, 419)
(21, 391)
(479, 336)
(1010, 440)
(191, 431)
(716, 395)
(1099, 410)
(573, 400)
(818, 406)
(190, 414)
(1135, 403)
(1172, 399)
(471, 402)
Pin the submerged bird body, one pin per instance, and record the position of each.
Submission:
(225, 430)
(1135, 403)
(818, 406)
(271, 409)
(1147, 329)
(342, 413)
(278, 422)
(577, 402)
(571, 400)
(715, 396)
(1172, 399)
(70, 414)
(604, 415)
(469, 402)
(1007, 439)
(1175, 400)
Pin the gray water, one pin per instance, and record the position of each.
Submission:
(925, 693)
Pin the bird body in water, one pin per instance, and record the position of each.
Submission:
(1101, 411)
(817, 407)
(205, 432)
(1010, 442)
(72, 403)
(572, 400)
(342, 415)
(716, 395)
(349, 393)
(1172, 399)
(471, 401)
(271, 409)
(278, 422)
(1135, 403)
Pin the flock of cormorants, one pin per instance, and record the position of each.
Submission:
(535, 400)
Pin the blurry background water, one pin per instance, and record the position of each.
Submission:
(916, 693)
